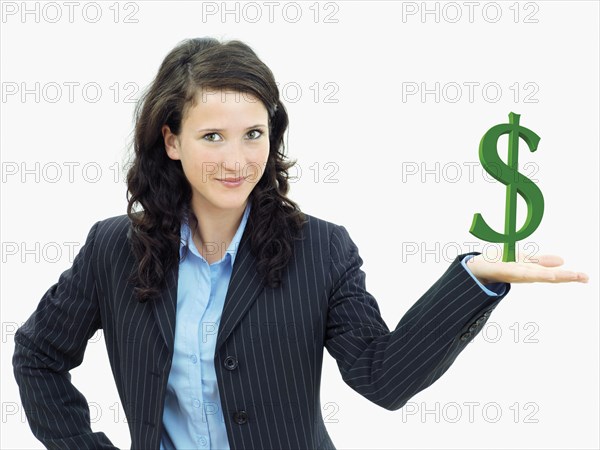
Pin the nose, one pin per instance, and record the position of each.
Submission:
(233, 159)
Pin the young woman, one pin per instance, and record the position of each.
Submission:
(218, 296)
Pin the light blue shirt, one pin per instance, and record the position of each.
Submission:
(493, 289)
(193, 417)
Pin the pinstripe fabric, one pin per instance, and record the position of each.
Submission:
(269, 347)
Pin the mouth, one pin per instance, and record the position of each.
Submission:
(231, 180)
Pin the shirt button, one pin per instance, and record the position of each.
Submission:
(202, 441)
(194, 359)
(196, 403)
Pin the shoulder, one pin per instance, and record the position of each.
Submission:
(335, 237)
(317, 227)
(111, 232)
(327, 237)
(115, 225)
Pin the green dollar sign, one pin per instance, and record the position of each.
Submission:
(514, 181)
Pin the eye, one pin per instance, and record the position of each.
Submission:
(210, 134)
(259, 131)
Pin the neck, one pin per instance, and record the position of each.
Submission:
(216, 228)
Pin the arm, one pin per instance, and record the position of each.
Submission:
(389, 368)
(49, 344)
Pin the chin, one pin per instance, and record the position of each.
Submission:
(229, 201)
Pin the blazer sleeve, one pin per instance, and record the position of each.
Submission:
(388, 368)
(50, 343)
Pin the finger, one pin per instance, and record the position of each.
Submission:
(518, 272)
(543, 260)
(551, 275)
(550, 260)
(582, 277)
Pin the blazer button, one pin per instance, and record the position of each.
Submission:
(487, 314)
(480, 321)
(465, 336)
(231, 362)
(240, 417)
(473, 327)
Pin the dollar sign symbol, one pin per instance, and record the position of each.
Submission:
(514, 181)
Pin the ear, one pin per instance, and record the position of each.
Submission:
(171, 143)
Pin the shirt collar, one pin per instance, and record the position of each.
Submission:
(233, 246)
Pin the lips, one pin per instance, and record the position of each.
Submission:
(231, 180)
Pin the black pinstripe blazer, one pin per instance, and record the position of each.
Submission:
(269, 348)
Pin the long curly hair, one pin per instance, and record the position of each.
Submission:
(159, 185)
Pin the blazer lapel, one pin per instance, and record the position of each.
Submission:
(244, 287)
(165, 307)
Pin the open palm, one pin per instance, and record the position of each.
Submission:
(542, 268)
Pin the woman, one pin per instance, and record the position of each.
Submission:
(218, 297)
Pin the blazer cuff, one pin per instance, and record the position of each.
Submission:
(492, 289)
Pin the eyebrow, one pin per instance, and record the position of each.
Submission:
(220, 129)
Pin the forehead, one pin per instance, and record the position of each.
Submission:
(214, 106)
(216, 100)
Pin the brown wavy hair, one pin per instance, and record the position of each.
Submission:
(159, 185)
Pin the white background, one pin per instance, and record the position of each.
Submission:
(536, 361)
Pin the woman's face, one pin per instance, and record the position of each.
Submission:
(224, 136)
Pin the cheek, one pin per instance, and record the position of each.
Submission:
(258, 163)
(203, 165)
